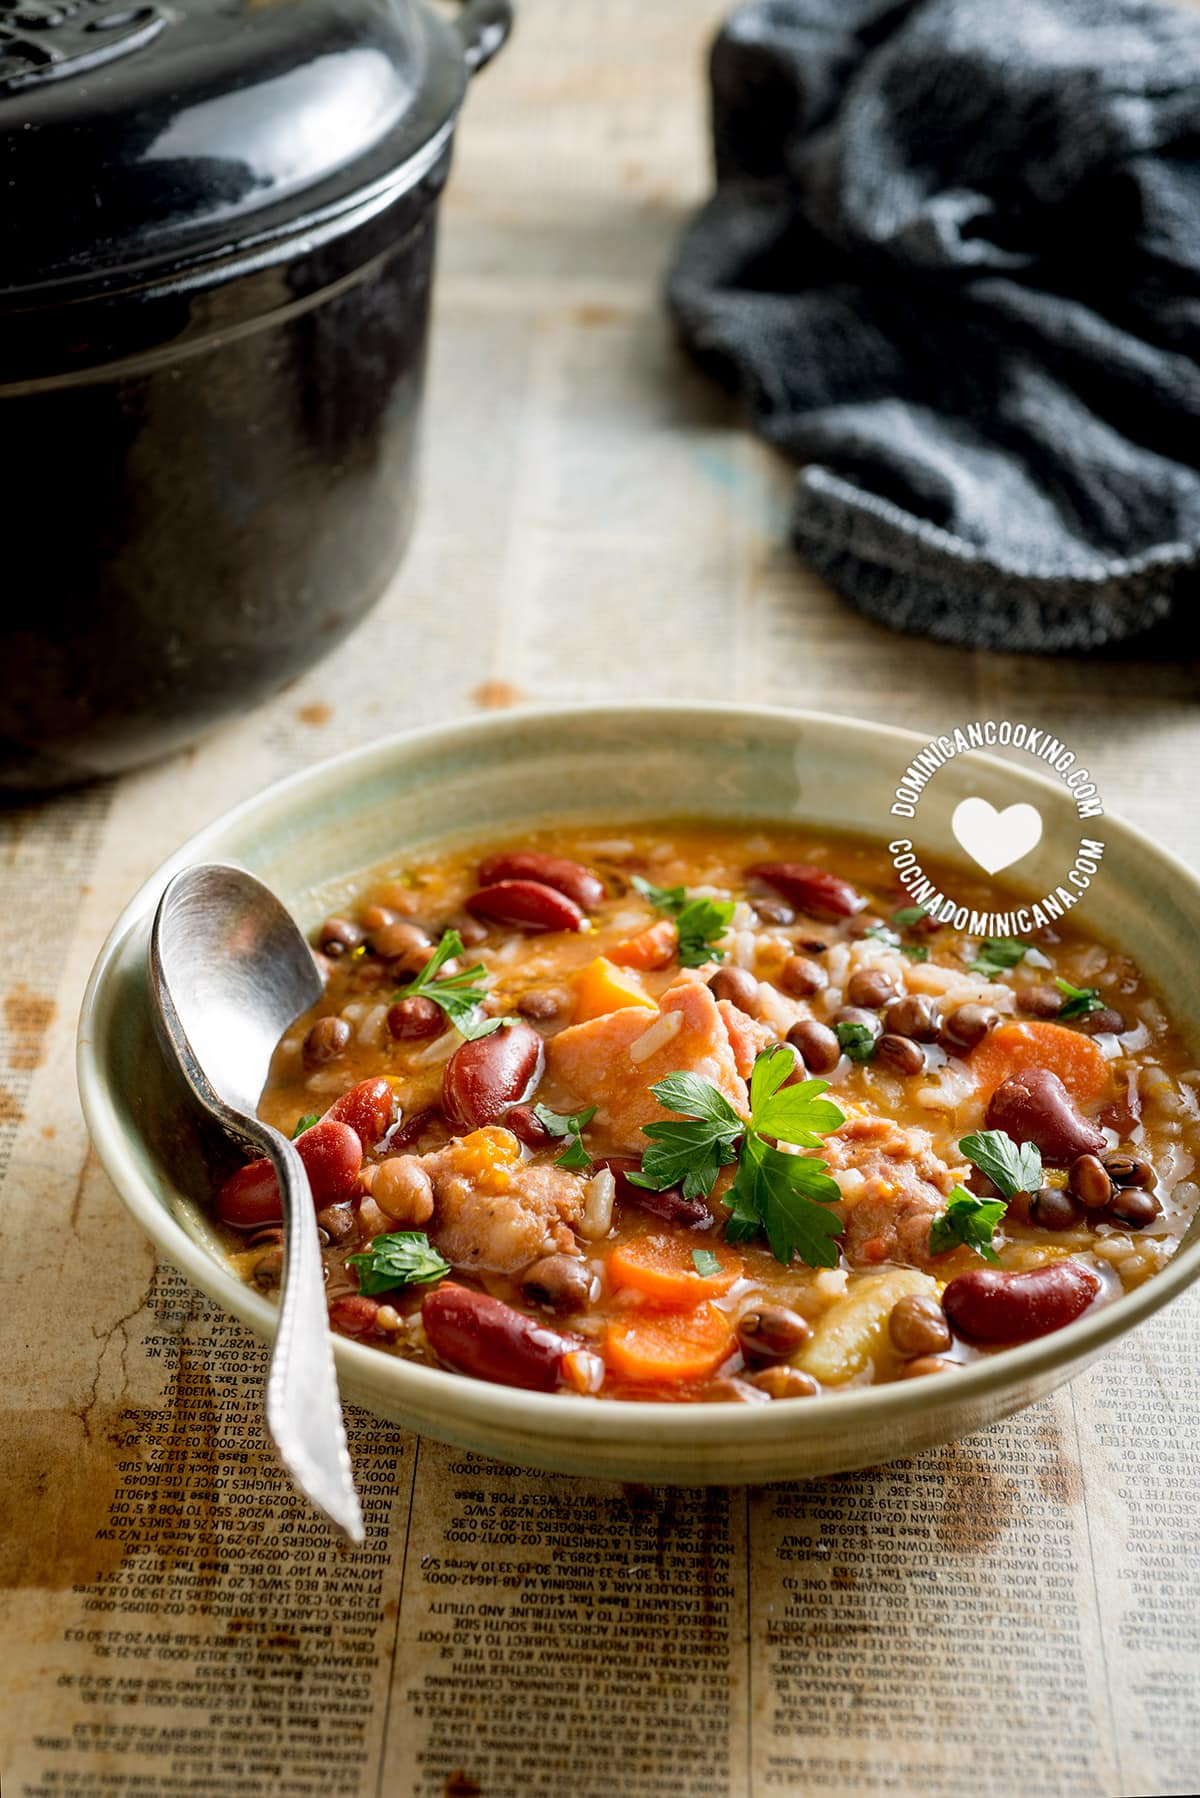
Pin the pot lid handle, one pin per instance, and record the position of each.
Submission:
(483, 26)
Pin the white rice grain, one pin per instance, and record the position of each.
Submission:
(663, 1030)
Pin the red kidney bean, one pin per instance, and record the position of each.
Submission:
(354, 1314)
(332, 1156)
(529, 904)
(484, 1337)
(810, 889)
(571, 878)
(988, 1305)
(482, 1079)
(1035, 1106)
(408, 1134)
(670, 1204)
(368, 1108)
(411, 1020)
(527, 1126)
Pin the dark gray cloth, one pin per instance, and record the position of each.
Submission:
(953, 265)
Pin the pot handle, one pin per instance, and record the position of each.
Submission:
(483, 26)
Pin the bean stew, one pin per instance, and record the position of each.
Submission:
(701, 1113)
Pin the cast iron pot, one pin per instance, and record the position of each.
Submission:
(216, 245)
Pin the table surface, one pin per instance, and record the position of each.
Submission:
(596, 523)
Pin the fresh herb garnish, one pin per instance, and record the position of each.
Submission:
(883, 934)
(908, 915)
(403, 1259)
(699, 922)
(966, 1219)
(915, 951)
(305, 1123)
(998, 953)
(705, 1263)
(782, 1196)
(1080, 1000)
(570, 1125)
(458, 995)
(857, 1040)
(1013, 1167)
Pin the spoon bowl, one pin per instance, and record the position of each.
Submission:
(229, 972)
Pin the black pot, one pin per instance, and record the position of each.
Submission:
(216, 242)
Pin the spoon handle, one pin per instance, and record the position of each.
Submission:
(304, 1415)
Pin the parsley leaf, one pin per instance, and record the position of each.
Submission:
(458, 997)
(1080, 1000)
(997, 953)
(915, 951)
(968, 1220)
(856, 1040)
(403, 1259)
(699, 922)
(908, 914)
(305, 1123)
(782, 1196)
(705, 1263)
(691, 1153)
(1013, 1167)
(569, 1124)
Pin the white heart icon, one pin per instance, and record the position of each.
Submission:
(996, 839)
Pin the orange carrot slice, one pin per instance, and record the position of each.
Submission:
(669, 1345)
(662, 1268)
(653, 947)
(1011, 1048)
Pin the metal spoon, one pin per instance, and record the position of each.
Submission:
(229, 972)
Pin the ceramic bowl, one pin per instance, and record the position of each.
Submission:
(613, 764)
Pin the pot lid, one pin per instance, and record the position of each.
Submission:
(138, 133)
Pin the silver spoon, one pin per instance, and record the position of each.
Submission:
(229, 972)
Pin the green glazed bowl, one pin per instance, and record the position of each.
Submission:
(615, 764)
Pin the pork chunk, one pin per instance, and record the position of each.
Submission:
(494, 1212)
(613, 1061)
(893, 1186)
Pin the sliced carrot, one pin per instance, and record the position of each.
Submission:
(1012, 1048)
(602, 988)
(669, 1345)
(662, 1267)
(653, 947)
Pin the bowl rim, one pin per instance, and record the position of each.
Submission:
(580, 1419)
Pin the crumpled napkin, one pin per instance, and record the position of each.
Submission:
(953, 265)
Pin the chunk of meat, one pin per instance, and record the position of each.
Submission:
(491, 1211)
(612, 1062)
(893, 1186)
(747, 1037)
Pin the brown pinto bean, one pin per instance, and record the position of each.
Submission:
(1128, 1170)
(571, 878)
(1105, 1022)
(1034, 1106)
(1041, 1000)
(1134, 1207)
(337, 1221)
(771, 1332)
(541, 1003)
(913, 1016)
(819, 1047)
(772, 911)
(810, 889)
(801, 976)
(917, 1325)
(368, 1108)
(376, 916)
(527, 904)
(737, 985)
(403, 1191)
(871, 987)
(786, 1382)
(812, 945)
(267, 1271)
(412, 1020)
(484, 1337)
(965, 1027)
(978, 1183)
(728, 1390)
(991, 1306)
(527, 1127)
(670, 1205)
(400, 939)
(1053, 1208)
(338, 936)
(926, 1364)
(328, 1038)
(900, 1054)
(1090, 1182)
(483, 1078)
(561, 1282)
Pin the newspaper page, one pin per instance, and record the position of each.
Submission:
(1017, 1612)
